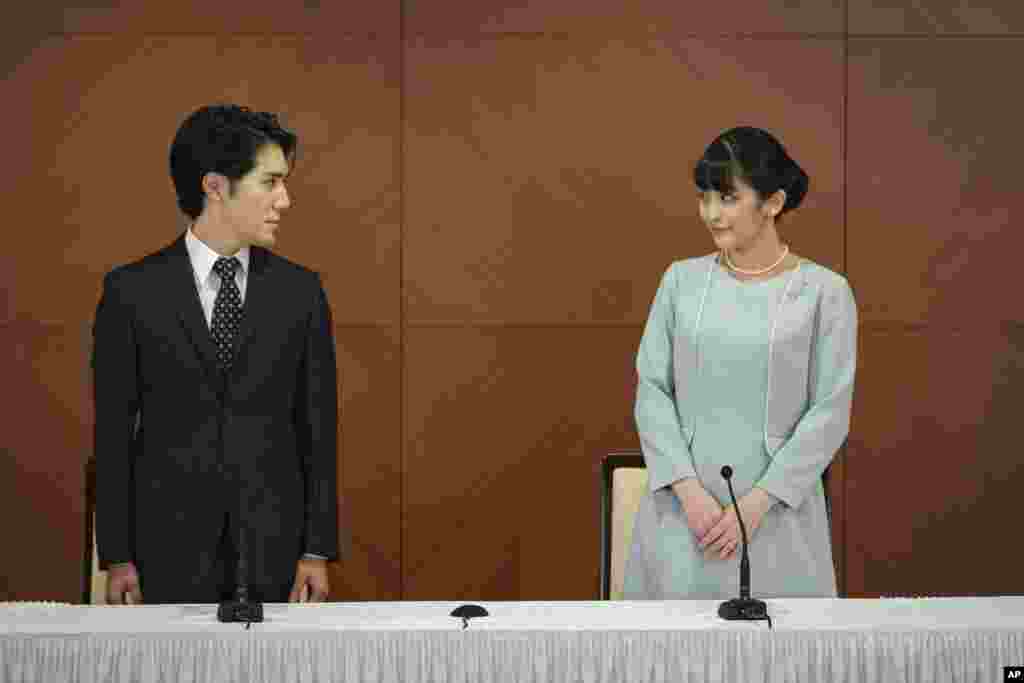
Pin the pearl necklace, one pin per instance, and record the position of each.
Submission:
(728, 261)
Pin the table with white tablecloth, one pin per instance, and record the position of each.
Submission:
(860, 641)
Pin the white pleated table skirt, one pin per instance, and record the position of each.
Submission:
(859, 641)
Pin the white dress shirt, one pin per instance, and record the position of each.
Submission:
(207, 281)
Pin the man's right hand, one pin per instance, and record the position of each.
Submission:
(123, 585)
(701, 509)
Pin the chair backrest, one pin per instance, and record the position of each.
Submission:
(623, 485)
(94, 581)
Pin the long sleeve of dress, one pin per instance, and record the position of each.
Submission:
(666, 452)
(798, 465)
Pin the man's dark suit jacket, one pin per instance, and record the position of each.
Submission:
(180, 446)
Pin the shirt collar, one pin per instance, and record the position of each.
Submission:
(203, 257)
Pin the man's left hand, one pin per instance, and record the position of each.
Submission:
(311, 583)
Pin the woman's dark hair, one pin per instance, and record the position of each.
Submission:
(758, 159)
(222, 139)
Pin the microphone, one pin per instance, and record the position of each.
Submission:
(743, 608)
(467, 612)
(240, 609)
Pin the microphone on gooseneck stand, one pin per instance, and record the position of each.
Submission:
(240, 609)
(743, 608)
(247, 611)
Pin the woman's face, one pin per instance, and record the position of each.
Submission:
(736, 219)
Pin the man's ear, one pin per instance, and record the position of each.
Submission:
(215, 186)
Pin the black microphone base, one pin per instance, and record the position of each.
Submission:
(236, 611)
(743, 609)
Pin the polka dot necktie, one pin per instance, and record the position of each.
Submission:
(227, 311)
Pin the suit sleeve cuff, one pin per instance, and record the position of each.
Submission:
(312, 556)
(114, 565)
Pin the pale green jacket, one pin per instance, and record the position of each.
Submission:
(812, 361)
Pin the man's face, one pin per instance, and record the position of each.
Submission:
(254, 207)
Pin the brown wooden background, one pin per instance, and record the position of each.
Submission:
(491, 191)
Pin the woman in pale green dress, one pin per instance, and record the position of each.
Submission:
(747, 360)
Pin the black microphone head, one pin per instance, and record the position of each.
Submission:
(469, 611)
(726, 471)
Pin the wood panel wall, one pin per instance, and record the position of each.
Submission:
(491, 191)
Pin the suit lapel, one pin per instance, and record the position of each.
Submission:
(257, 302)
(190, 308)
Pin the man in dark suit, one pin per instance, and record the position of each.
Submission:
(215, 388)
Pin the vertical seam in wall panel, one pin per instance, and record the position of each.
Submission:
(400, 167)
(846, 268)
